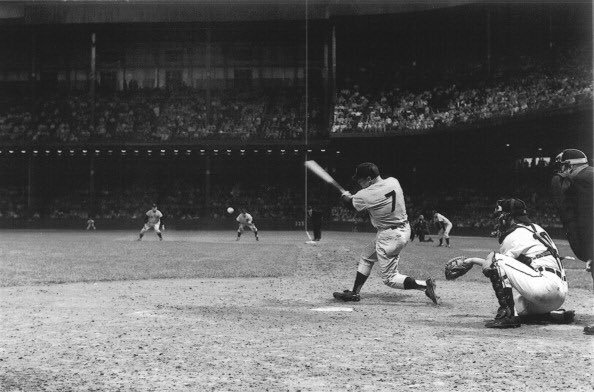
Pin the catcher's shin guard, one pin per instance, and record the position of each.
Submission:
(505, 317)
(497, 284)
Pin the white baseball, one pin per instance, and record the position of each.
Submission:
(230, 210)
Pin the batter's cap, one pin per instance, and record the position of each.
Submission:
(366, 169)
(572, 156)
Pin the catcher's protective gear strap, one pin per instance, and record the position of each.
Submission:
(547, 242)
(501, 292)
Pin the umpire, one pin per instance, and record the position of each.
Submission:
(572, 188)
(316, 221)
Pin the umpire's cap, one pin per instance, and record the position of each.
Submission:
(571, 156)
(366, 169)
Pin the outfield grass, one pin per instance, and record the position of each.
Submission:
(47, 257)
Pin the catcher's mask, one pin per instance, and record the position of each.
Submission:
(568, 158)
(507, 212)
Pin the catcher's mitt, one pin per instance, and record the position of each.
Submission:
(456, 267)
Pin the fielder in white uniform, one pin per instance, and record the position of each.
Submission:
(526, 273)
(445, 225)
(383, 199)
(91, 224)
(152, 220)
(246, 222)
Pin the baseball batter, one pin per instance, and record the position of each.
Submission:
(445, 226)
(152, 219)
(383, 199)
(526, 273)
(246, 222)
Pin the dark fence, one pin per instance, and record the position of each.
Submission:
(229, 223)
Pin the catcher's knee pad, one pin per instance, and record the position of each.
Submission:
(365, 267)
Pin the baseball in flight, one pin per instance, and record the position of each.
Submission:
(230, 210)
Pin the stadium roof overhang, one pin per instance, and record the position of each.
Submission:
(207, 11)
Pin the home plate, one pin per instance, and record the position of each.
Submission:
(333, 309)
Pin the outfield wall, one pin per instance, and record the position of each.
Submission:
(220, 224)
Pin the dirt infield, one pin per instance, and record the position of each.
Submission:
(201, 312)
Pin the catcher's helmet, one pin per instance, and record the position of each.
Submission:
(568, 158)
(506, 212)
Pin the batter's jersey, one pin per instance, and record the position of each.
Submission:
(445, 222)
(154, 217)
(521, 241)
(244, 219)
(384, 200)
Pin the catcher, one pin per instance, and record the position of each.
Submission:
(526, 273)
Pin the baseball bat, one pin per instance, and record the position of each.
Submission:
(323, 174)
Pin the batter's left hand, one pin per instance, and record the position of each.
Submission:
(346, 196)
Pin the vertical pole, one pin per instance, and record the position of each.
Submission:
(207, 187)
(326, 68)
(488, 27)
(332, 92)
(208, 73)
(30, 187)
(33, 75)
(91, 211)
(306, 109)
(92, 82)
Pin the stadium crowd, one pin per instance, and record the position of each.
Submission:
(157, 116)
(533, 86)
(364, 104)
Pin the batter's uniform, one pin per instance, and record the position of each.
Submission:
(532, 269)
(246, 222)
(444, 226)
(153, 222)
(384, 201)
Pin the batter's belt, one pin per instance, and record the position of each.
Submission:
(399, 225)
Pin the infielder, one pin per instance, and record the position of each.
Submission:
(444, 226)
(246, 222)
(572, 187)
(526, 273)
(91, 224)
(383, 199)
(152, 219)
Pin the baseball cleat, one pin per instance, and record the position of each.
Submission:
(589, 330)
(347, 296)
(504, 322)
(430, 290)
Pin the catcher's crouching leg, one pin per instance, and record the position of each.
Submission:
(505, 317)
